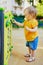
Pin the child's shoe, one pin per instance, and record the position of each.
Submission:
(30, 59)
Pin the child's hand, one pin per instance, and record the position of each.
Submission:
(13, 21)
(31, 30)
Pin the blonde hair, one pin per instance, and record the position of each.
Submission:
(31, 10)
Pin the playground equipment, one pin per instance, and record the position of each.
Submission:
(5, 36)
(1, 36)
(8, 37)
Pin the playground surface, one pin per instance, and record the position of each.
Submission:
(17, 57)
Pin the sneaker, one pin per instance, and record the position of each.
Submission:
(30, 59)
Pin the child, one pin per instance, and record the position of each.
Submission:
(30, 29)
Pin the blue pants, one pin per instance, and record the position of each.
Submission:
(32, 44)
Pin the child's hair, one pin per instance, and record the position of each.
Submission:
(31, 10)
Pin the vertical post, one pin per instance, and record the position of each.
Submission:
(1, 37)
(31, 2)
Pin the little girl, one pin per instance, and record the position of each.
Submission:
(30, 30)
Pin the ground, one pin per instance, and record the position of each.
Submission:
(17, 58)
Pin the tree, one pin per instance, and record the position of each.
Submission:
(39, 8)
(19, 2)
